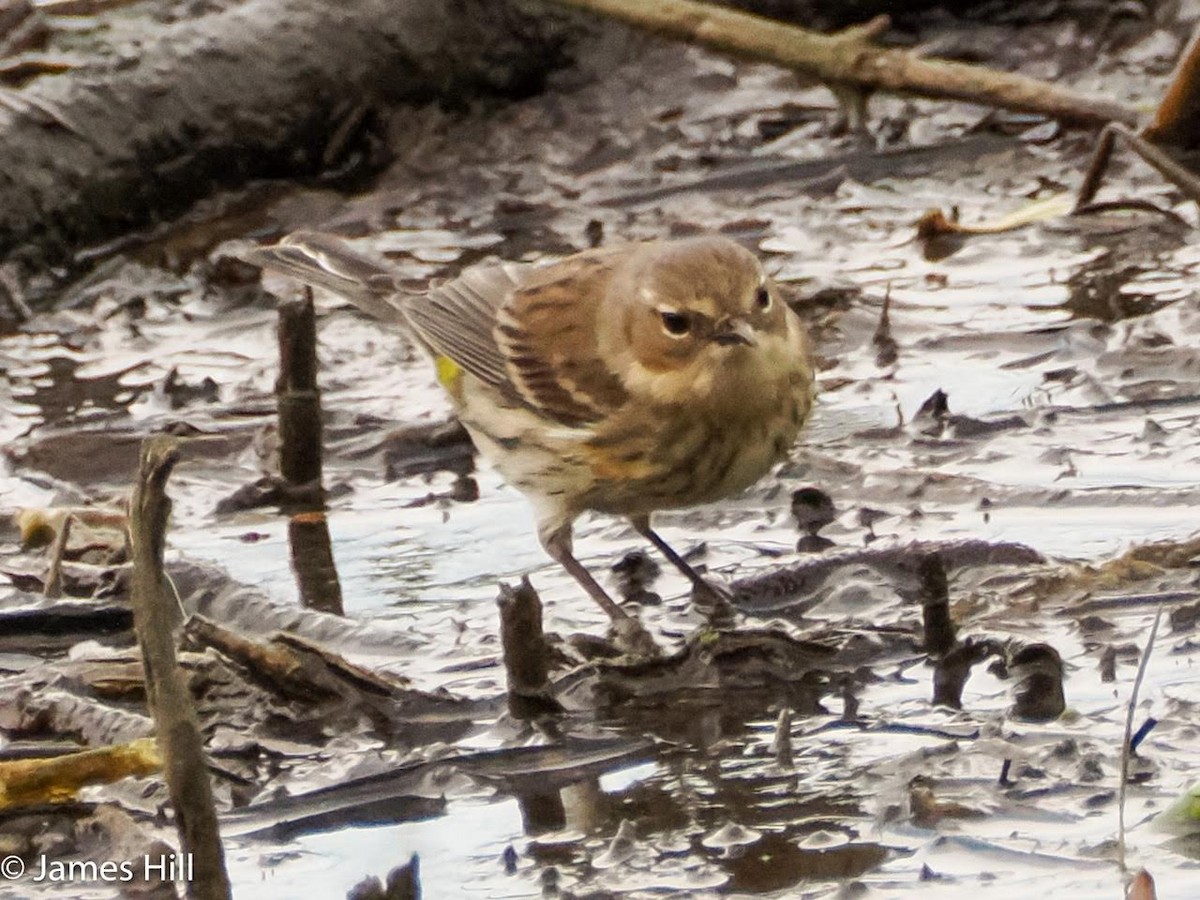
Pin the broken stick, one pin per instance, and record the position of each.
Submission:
(848, 59)
(297, 397)
(526, 657)
(155, 615)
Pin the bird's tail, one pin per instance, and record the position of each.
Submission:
(325, 261)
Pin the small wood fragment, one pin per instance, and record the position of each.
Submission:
(25, 782)
(952, 669)
(404, 882)
(275, 667)
(781, 744)
(526, 660)
(53, 589)
(292, 665)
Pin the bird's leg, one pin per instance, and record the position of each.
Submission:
(628, 629)
(716, 597)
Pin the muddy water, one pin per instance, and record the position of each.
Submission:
(1067, 352)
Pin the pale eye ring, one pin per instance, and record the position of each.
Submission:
(675, 323)
(762, 298)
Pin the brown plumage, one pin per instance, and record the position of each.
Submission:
(625, 380)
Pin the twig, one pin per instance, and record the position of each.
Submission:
(1127, 743)
(26, 782)
(1158, 158)
(849, 59)
(53, 588)
(80, 7)
(155, 617)
(295, 667)
(1173, 126)
(1175, 120)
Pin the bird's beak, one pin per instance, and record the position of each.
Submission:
(731, 332)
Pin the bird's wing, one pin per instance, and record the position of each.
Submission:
(457, 320)
(528, 330)
(326, 261)
(547, 332)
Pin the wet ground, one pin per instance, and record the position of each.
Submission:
(1066, 357)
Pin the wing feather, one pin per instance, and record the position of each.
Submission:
(326, 261)
(529, 331)
(458, 319)
(548, 334)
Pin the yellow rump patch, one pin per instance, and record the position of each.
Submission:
(449, 375)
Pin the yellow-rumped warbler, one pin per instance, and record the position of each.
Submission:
(627, 379)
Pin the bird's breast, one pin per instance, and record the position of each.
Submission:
(683, 455)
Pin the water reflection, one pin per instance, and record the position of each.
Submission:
(313, 564)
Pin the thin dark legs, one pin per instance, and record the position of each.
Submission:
(713, 596)
(629, 630)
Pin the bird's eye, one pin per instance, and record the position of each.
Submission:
(762, 298)
(675, 323)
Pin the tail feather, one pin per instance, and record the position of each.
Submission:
(325, 261)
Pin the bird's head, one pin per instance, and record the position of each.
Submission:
(693, 315)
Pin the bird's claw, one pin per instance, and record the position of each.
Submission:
(630, 636)
(714, 599)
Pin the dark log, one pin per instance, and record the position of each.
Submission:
(265, 88)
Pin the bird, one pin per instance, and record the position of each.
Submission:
(626, 379)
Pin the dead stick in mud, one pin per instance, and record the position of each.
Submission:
(1176, 122)
(404, 882)
(848, 59)
(293, 666)
(1173, 128)
(155, 615)
(296, 396)
(313, 562)
(298, 400)
(935, 605)
(526, 661)
(53, 587)
(1158, 158)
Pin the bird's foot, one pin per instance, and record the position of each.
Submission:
(714, 600)
(630, 636)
